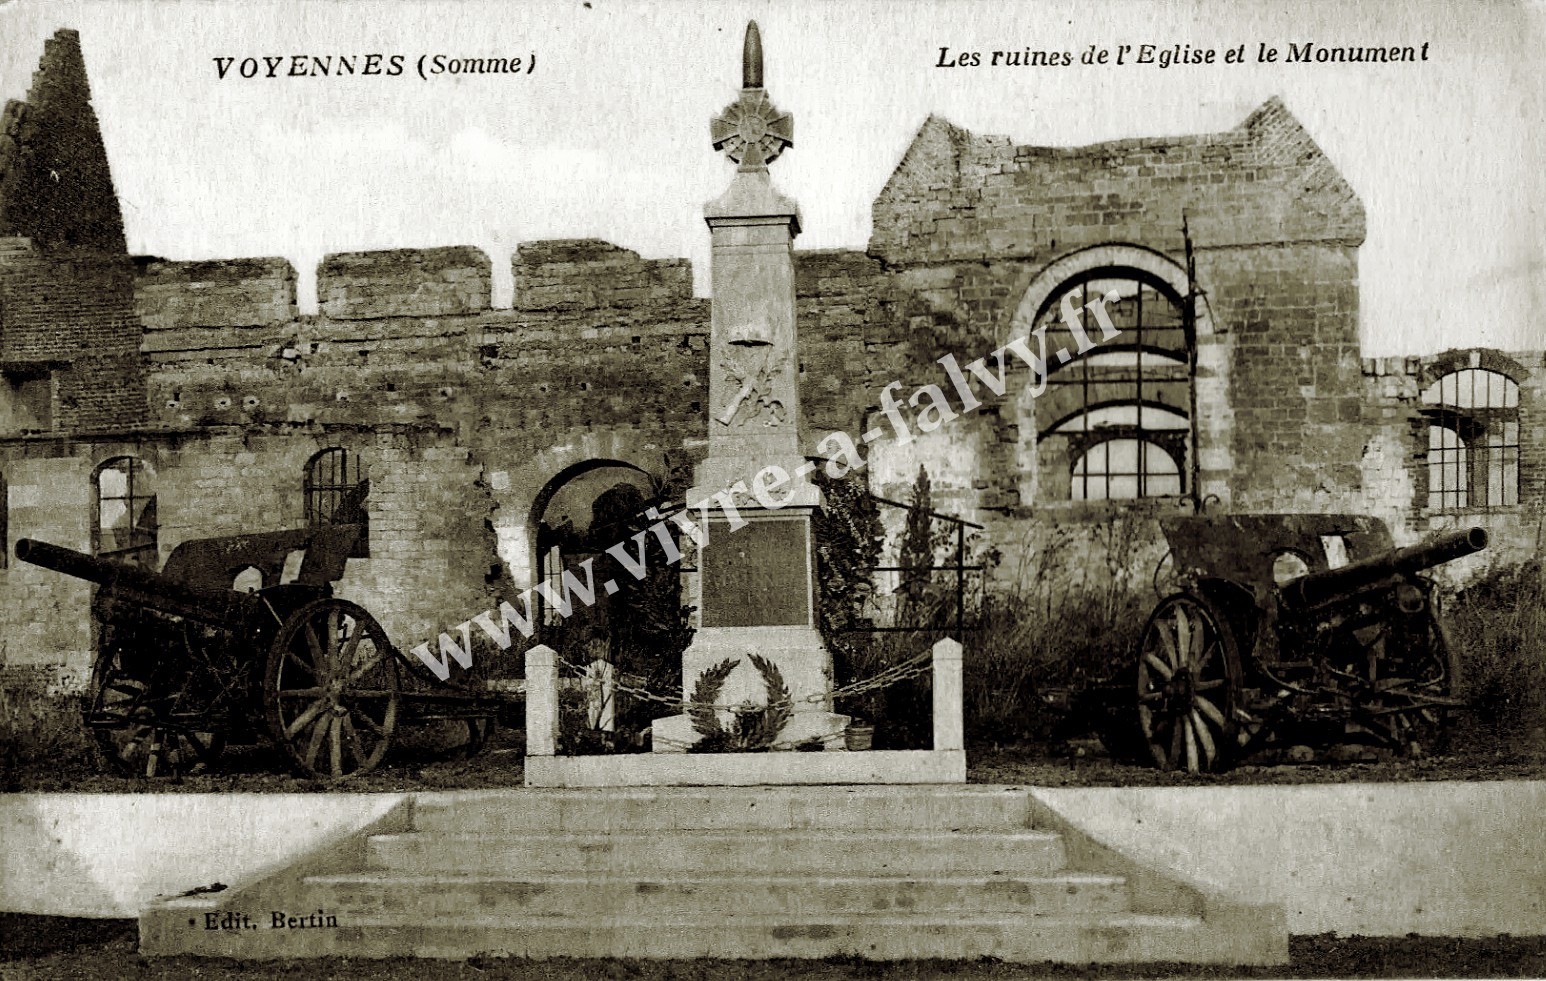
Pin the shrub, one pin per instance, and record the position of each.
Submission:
(1068, 616)
(1498, 624)
(40, 734)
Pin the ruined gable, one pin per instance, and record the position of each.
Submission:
(55, 185)
(959, 195)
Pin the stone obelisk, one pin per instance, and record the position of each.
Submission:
(756, 590)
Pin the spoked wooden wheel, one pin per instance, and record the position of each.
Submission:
(330, 689)
(1188, 684)
(1409, 703)
(140, 727)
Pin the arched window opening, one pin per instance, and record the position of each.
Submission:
(1473, 440)
(330, 486)
(126, 523)
(579, 517)
(1101, 417)
(1447, 483)
(1121, 409)
(1125, 468)
(331, 476)
(638, 622)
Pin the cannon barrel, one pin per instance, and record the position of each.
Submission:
(1321, 587)
(138, 586)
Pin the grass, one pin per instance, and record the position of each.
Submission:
(40, 733)
(1066, 619)
(1498, 623)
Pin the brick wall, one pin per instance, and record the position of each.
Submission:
(975, 230)
(66, 293)
(403, 283)
(173, 296)
(589, 274)
(958, 195)
(55, 184)
(45, 618)
(71, 314)
(1295, 383)
(1398, 475)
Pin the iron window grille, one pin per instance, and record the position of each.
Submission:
(1126, 462)
(331, 477)
(126, 524)
(1473, 440)
(1125, 403)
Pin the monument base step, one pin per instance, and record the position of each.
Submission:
(362, 895)
(730, 852)
(1128, 937)
(748, 769)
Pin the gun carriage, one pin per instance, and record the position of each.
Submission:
(1286, 630)
(185, 663)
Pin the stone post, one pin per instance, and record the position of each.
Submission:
(949, 731)
(600, 686)
(541, 701)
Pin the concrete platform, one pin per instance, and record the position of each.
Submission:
(873, 872)
(359, 895)
(1463, 859)
(1076, 939)
(725, 852)
(875, 808)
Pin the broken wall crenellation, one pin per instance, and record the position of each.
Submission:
(550, 276)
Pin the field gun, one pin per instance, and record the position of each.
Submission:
(186, 661)
(1287, 630)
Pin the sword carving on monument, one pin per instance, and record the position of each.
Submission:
(756, 385)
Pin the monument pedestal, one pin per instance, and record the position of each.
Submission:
(756, 597)
(757, 565)
(801, 659)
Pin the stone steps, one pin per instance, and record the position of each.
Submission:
(697, 808)
(758, 872)
(353, 896)
(1115, 938)
(728, 852)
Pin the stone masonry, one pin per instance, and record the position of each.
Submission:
(466, 418)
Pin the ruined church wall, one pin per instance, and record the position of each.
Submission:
(1396, 453)
(600, 358)
(429, 548)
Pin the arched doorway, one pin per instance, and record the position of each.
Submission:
(640, 625)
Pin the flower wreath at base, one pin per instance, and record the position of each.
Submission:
(754, 726)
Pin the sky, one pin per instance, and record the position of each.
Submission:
(607, 136)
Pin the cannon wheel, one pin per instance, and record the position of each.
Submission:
(1399, 716)
(137, 727)
(331, 690)
(1188, 684)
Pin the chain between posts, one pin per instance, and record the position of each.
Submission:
(915, 667)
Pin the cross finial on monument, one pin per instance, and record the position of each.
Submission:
(751, 131)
